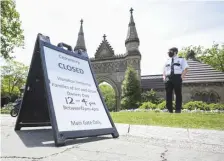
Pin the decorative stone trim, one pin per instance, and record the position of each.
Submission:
(203, 84)
(205, 96)
(132, 40)
(119, 56)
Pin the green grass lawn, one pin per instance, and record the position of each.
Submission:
(183, 120)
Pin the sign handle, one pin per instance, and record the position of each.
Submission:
(65, 45)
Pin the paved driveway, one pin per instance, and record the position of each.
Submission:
(136, 143)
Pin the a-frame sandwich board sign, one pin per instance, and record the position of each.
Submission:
(61, 91)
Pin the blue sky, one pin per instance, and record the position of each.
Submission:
(160, 25)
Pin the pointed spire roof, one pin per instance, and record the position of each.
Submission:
(80, 44)
(104, 50)
(132, 32)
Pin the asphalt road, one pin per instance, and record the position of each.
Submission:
(140, 143)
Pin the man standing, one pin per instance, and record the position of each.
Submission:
(174, 72)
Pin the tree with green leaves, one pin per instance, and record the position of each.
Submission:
(191, 51)
(13, 77)
(11, 32)
(213, 56)
(109, 96)
(131, 90)
(150, 96)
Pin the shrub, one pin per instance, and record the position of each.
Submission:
(162, 105)
(148, 105)
(129, 103)
(213, 106)
(192, 105)
(195, 105)
(131, 89)
(151, 96)
(219, 106)
(174, 104)
(7, 108)
(199, 105)
(206, 107)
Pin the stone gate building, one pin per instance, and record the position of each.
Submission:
(109, 67)
(202, 82)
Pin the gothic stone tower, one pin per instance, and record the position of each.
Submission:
(109, 67)
(80, 44)
(132, 43)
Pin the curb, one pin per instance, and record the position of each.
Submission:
(169, 133)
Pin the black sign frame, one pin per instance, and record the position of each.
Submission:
(38, 60)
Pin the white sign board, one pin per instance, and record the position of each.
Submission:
(76, 101)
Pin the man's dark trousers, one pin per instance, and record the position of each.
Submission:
(174, 82)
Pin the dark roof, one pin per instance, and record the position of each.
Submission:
(152, 82)
(198, 73)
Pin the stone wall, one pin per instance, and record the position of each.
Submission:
(189, 91)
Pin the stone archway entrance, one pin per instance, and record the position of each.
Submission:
(111, 68)
(115, 88)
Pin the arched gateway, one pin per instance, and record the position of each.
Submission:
(109, 67)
